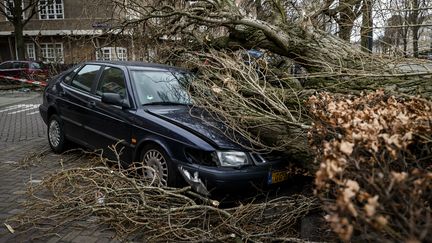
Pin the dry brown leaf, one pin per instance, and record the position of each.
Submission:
(370, 207)
(346, 147)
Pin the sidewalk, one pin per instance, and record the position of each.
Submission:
(27, 163)
(25, 158)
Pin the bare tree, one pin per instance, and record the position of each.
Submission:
(395, 34)
(19, 13)
(415, 18)
(414, 15)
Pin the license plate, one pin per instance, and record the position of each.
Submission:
(277, 176)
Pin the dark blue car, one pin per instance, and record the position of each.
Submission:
(147, 108)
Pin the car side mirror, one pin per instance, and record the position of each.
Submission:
(115, 99)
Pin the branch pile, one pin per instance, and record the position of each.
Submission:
(253, 101)
(138, 209)
(375, 175)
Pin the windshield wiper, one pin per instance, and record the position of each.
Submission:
(165, 103)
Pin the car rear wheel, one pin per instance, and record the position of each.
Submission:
(56, 136)
(156, 158)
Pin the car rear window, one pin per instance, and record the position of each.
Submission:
(37, 65)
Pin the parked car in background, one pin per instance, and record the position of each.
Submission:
(147, 108)
(24, 69)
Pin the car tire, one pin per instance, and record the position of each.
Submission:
(56, 135)
(155, 157)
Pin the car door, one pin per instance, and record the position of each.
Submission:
(110, 124)
(74, 95)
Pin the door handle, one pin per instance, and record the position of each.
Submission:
(91, 104)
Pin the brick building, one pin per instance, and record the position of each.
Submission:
(67, 31)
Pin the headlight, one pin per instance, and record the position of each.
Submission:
(232, 158)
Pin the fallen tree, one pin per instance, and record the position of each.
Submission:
(264, 100)
(268, 105)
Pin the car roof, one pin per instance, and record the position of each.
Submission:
(24, 61)
(137, 64)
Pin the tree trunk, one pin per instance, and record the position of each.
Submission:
(366, 28)
(346, 23)
(345, 32)
(19, 40)
(19, 28)
(415, 37)
(414, 21)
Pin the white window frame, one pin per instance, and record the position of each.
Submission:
(54, 9)
(31, 51)
(112, 54)
(52, 52)
(9, 13)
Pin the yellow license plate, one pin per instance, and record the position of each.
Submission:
(278, 176)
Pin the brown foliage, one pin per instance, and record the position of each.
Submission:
(375, 173)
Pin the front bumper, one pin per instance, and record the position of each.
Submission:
(227, 180)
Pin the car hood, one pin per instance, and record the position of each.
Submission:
(200, 123)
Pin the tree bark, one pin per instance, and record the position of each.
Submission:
(18, 28)
(19, 40)
(414, 21)
(366, 28)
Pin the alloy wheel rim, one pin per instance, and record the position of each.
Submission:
(54, 133)
(155, 159)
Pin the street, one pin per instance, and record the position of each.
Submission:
(25, 158)
(21, 122)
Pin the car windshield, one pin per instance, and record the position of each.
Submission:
(161, 87)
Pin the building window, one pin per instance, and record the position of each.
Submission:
(52, 52)
(9, 5)
(31, 52)
(112, 54)
(51, 9)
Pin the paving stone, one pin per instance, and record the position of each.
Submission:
(54, 239)
(70, 236)
(83, 238)
(20, 137)
(103, 240)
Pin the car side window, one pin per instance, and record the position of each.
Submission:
(68, 77)
(112, 81)
(23, 65)
(85, 77)
(16, 65)
(6, 65)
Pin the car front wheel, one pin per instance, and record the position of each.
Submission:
(56, 136)
(156, 158)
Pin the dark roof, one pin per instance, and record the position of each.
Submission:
(137, 64)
